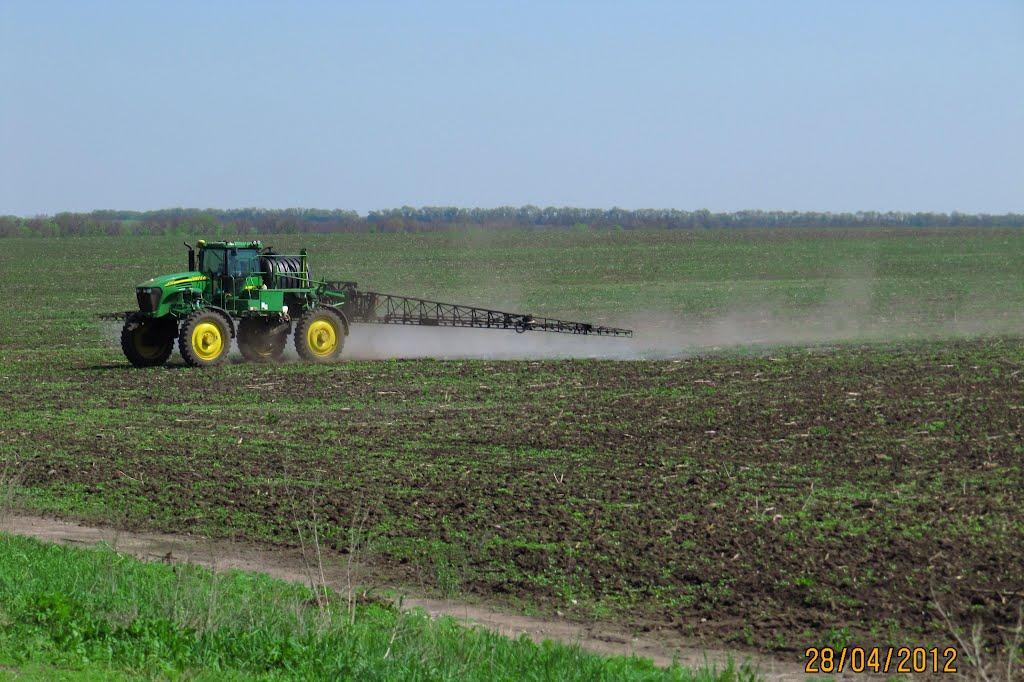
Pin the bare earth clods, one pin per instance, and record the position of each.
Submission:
(825, 496)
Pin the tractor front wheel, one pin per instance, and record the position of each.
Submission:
(148, 341)
(205, 339)
(320, 335)
(258, 343)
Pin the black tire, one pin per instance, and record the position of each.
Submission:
(258, 344)
(205, 339)
(320, 335)
(148, 341)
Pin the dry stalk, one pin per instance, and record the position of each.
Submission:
(313, 562)
(983, 666)
(320, 564)
(972, 647)
(214, 598)
(1015, 647)
(394, 631)
(315, 574)
(9, 482)
(809, 496)
(355, 546)
(305, 562)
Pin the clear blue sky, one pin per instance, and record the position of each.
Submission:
(823, 105)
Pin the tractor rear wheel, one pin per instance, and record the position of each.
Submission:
(205, 339)
(148, 341)
(258, 343)
(320, 335)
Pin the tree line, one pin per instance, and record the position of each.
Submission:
(252, 221)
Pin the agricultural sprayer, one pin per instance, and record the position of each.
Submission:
(244, 291)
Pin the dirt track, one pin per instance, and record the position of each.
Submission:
(602, 638)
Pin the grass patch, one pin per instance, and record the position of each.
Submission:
(94, 614)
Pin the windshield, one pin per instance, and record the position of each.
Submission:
(242, 262)
(212, 261)
(232, 262)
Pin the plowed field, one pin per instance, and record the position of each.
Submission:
(777, 498)
(773, 500)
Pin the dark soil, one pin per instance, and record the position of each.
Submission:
(836, 495)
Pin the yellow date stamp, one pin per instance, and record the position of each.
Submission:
(877, 659)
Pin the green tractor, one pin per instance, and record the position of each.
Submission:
(244, 291)
(234, 290)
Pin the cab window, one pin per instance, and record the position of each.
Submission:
(243, 262)
(213, 261)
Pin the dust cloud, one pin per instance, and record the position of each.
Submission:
(855, 311)
(373, 342)
(661, 337)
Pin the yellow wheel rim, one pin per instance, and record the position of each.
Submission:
(322, 337)
(207, 341)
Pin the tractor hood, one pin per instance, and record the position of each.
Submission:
(172, 281)
(157, 295)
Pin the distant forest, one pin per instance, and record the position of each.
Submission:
(245, 221)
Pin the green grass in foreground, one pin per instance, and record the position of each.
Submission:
(94, 614)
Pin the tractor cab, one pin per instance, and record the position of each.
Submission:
(228, 259)
(232, 267)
